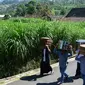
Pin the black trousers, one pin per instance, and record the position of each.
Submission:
(78, 69)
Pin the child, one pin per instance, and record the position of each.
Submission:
(63, 56)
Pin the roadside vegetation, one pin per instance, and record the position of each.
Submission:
(20, 46)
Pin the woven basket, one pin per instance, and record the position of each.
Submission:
(82, 49)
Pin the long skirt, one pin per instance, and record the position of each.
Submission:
(45, 67)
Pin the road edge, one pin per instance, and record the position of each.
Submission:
(14, 78)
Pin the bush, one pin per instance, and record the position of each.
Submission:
(63, 12)
(7, 16)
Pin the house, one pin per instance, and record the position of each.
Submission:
(76, 12)
(1, 16)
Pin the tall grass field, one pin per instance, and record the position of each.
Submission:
(20, 46)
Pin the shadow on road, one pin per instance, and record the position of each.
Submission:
(35, 77)
(32, 78)
(53, 83)
(68, 80)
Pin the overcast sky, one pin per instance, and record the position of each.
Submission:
(1, 0)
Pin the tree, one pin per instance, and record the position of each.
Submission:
(7, 16)
(80, 1)
(63, 12)
(21, 10)
(31, 7)
(10, 1)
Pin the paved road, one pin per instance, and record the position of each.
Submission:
(50, 79)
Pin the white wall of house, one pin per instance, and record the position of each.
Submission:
(1, 16)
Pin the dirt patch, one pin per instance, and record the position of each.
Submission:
(73, 19)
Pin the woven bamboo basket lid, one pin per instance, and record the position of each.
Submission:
(82, 49)
(45, 38)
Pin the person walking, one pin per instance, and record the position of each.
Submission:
(81, 58)
(63, 57)
(45, 62)
(78, 43)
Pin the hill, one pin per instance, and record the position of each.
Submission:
(58, 7)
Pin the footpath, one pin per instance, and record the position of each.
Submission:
(14, 78)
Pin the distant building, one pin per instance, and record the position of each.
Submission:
(1, 16)
(76, 12)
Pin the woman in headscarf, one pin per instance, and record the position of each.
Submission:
(45, 62)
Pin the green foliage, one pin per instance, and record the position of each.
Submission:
(20, 46)
(63, 12)
(9, 1)
(7, 16)
(33, 7)
(36, 6)
(21, 10)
